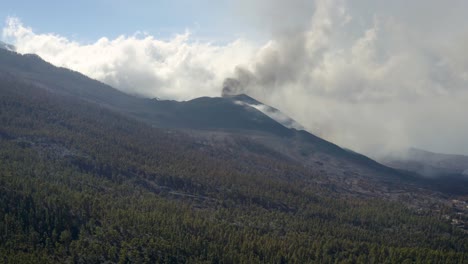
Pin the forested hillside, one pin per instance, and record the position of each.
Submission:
(82, 184)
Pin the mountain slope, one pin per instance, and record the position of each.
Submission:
(87, 177)
(231, 116)
(81, 183)
(224, 114)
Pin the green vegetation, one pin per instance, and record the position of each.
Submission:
(81, 184)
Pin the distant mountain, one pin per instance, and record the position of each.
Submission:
(448, 173)
(429, 164)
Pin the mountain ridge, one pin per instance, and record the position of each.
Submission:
(205, 114)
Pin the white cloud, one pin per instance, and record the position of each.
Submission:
(179, 68)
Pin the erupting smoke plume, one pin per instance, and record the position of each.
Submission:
(376, 82)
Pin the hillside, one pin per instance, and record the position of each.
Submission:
(201, 114)
(86, 177)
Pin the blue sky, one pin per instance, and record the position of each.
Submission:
(88, 20)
